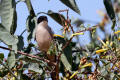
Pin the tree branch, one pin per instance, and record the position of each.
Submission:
(32, 56)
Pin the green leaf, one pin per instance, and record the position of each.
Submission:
(67, 51)
(65, 62)
(66, 56)
(30, 8)
(14, 23)
(20, 43)
(35, 67)
(11, 59)
(76, 61)
(3, 73)
(31, 24)
(101, 78)
(77, 22)
(19, 46)
(112, 76)
(6, 37)
(110, 11)
(57, 17)
(103, 71)
(8, 15)
(28, 49)
(72, 4)
(20, 1)
(1, 56)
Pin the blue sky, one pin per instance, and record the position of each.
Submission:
(88, 9)
(88, 12)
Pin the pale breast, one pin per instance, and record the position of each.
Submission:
(44, 38)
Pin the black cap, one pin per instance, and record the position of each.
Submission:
(42, 18)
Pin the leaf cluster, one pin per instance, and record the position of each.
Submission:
(98, 60)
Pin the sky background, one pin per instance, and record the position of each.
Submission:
(88, 9)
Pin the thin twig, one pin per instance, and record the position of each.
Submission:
(67, 43)
(32, 56)
(63, 10)
(61, 19)
(20, 1)
(23, 32)
(58, 57)
(88, 29)
(71, 27)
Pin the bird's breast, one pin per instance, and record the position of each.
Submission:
(43, 38)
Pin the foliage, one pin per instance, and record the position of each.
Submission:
(98, 60)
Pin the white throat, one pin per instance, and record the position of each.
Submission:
(43, 23)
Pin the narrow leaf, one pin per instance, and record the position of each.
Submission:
(87, 65)
(72, 4)
(100, 51)
(66, 57)
(11, 59)
(31, 24)
(77, 22)
(76, 72)
(31, 20)
(6, 37)
(8, 15)
(117, 32)
(110, 11)
(19, 46)
(28, 48)
(35, 67)
(65, 62)
(75, 34)
(30, 8)
(57, 17)
(20, 43)
(1, 56)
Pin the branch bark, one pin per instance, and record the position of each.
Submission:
(32, 56)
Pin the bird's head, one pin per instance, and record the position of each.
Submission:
(42, 18)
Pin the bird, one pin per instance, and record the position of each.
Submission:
(43, 34)
(44, 37)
